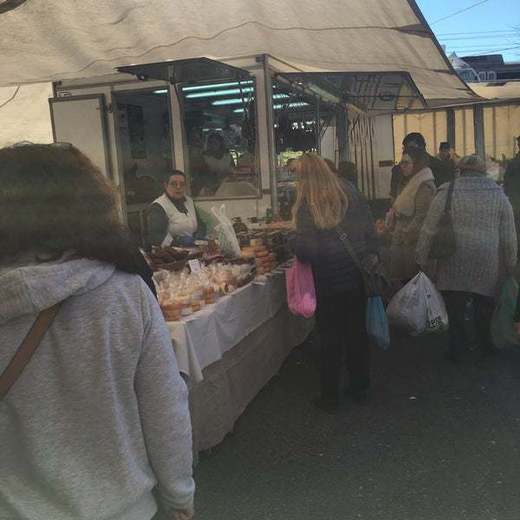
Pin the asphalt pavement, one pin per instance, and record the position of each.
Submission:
(436, 441)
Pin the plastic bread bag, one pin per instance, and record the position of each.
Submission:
(225, 233)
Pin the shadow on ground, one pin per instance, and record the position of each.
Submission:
(435, 442)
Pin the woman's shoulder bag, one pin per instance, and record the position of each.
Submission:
(444, 243)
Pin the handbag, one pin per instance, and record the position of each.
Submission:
(444, 244)
(375, 283)
(301, 294)
(503, 333)
(26, 349)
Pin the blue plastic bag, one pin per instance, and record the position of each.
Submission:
(503, 333)
(377, 323)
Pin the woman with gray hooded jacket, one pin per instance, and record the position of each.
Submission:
(486, 250)
(97, 424)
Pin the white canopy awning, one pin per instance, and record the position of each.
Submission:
(24, 114)
(48, 40)
(498, 91)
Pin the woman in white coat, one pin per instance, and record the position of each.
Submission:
(408, 213)
(172, 218)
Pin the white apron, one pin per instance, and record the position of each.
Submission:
(179, 224)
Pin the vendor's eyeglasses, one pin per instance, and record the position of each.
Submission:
(177, 184)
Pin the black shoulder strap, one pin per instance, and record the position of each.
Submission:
(349, 247)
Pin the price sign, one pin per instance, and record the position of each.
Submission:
(195, 266)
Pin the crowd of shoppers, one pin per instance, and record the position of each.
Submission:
(485, 254)
(111, 412)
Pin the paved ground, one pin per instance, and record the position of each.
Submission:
(436, 442)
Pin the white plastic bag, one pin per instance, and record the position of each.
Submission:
(225, 233)
(418, 307)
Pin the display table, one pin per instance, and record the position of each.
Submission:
(230, 351)
(203, 338)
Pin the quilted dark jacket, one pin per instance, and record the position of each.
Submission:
(334, 270)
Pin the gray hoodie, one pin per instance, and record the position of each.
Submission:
(99, 418)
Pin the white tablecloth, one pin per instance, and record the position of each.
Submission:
(202, 339)
(231, 383)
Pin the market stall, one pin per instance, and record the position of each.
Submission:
(204, 337)
(231, 349)
(229, 103)
(226, 309)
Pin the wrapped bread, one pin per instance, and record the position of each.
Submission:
(247, 253)
(171, 312)
(182, 293)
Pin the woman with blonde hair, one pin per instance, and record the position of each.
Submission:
(324, 207)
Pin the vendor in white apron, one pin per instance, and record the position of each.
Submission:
(172, 218)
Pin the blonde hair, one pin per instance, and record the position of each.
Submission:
(320, 190)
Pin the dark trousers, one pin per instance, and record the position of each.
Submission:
(344, 342)
(478, 321)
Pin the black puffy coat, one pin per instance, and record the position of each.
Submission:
(334, 269)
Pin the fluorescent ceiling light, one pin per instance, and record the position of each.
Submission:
(216, 85)
(239, 101)
(291, 105)
(234, 101)
(161, 91)
(278, 107)
(218, 93)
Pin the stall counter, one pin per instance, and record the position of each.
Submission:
(230, 350)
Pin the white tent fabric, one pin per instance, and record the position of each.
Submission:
(507, 90)
(47, 40)
(24, 114)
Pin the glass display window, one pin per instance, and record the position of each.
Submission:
(220, 152)
(300, 120)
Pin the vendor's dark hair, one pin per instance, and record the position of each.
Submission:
(53, 199)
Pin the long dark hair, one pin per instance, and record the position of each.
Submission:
(53, 199)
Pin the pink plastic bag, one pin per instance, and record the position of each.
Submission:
(301, 294)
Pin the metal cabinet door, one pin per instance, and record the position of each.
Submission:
(81, 121)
